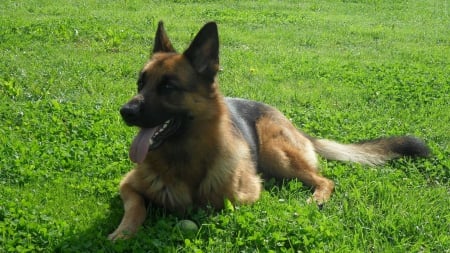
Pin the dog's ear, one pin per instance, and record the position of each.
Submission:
(162, 41)
(203, 53)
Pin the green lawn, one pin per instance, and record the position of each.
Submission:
(345, 70)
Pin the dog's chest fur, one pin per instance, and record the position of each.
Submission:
(204, 170)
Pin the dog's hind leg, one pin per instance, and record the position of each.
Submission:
(286, 153)
(135, 211)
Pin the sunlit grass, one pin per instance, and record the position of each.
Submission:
(347, 70)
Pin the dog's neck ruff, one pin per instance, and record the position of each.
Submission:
(151, 138)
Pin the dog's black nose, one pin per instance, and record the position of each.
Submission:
(130, 113)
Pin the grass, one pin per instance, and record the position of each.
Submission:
(346, 70)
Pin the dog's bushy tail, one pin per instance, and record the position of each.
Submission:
(372, 152)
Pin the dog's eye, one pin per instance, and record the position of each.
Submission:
(140, 85)
(167, 87)
(140, 82)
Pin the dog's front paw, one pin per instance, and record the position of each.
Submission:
(120, 234)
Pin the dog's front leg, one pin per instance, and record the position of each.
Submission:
(135, 213)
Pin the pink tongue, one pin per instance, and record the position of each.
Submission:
(141, 142)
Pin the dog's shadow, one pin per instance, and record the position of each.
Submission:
(94, 238)
(158, 233)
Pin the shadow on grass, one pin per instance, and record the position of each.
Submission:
(159, 233)
(93, 239)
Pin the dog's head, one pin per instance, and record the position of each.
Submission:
(173, 88)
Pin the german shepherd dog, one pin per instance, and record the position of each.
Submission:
(197, 148)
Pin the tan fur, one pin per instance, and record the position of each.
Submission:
(212, 160)
(286, 153)
(217, 169)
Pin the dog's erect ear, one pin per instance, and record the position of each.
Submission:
(162, 42)
(203, 53)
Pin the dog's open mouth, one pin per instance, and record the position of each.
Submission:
(151, 138)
